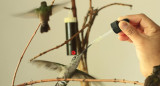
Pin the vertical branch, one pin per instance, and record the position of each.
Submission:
(90, 3)
(74, 11)
(85, 41)
(82, 64)
(84, 24)
(14, 77)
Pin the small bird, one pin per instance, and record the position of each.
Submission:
(43, 13)
(66, 71)
(154, 78)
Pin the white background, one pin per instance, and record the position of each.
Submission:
(107, 59)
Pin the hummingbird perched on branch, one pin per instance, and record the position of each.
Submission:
(43, 13)
(154, 78)
(66, 71)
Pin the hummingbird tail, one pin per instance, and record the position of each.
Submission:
(45, 27)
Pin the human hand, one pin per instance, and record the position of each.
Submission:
(145, 35)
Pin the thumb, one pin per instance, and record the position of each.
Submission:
(130, 31)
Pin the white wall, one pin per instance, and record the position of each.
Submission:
(107, 59)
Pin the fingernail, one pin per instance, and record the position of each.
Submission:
(123, 25)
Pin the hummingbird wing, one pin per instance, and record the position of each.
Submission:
(49, 65)
(30, 14)
(82, 75)
(58, 7)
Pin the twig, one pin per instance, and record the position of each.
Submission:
(115, 4)
(90, 3)
(58, 46)
(14, 77)
(67, 8)
(84, 23)
(83, 80)
(52, 2)
(78, 41)
(90, 9)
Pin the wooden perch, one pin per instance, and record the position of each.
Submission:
(83, 80)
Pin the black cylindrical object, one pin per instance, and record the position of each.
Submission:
(70, 25)
(115, 26)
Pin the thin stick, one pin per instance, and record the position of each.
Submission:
(52, 2)
(58, 46)
(14, 77)
(115, 4)
(90, 4)
(83, 80)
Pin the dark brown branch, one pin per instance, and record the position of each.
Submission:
(94, 13)
(115, 4)
(78, 42)
(58, 46)
(84, 23)
(74, 9)
(14, 77)
(82, 80)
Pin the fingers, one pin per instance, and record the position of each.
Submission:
(139, 19)
(130, 32)
(139, 26)
(124, 37)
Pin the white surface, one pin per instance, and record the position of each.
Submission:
(107, 59)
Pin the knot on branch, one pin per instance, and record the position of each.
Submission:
(136, 82)
(95, 11)
(124, 81)
(115, 80)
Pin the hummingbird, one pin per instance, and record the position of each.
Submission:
(43, 13)
(66, 71)
(154, 78)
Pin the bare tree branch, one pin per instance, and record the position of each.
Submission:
(115, 4)
(83, 80)
(14, 77)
